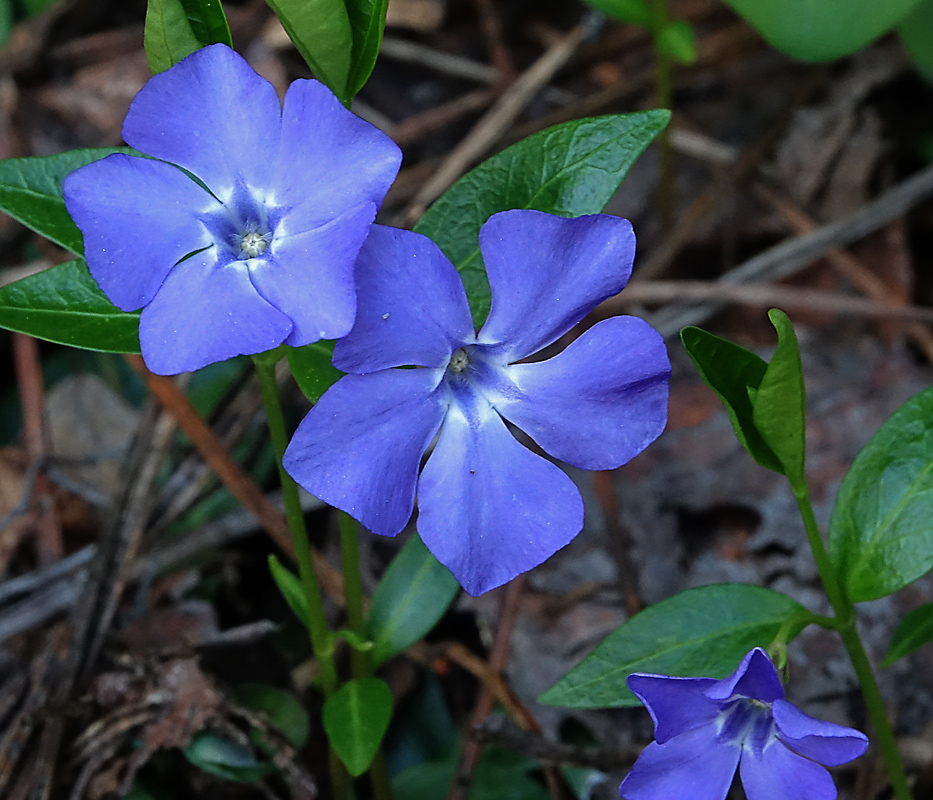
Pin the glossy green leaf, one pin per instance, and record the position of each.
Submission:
(320, 30)
(678, 41)
(913, 631)
(168, 36)
(916, 32)
(367, 21)
(730, 371)
(635, 11)
(412, 596)
(779, 404)
(701, 632)
(355, 719)
(313, 369)
(569, 169)
(225, 758)
(6, 20)
(290, 586)
(31, 192)
(880, 535)
(208, 21)
(282, 709)
(825, 29)
(64, 304)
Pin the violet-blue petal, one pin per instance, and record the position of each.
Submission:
(755, 677)
(329, 159)
(360, 447)
(489, 508)
(692, 766)
(778, 774)
(205, 312)
(824, 742)
(138, 218)
(546, 273)
(411, 305)
(309, 275)
(212, 114)
(676, 704)
(601, 401)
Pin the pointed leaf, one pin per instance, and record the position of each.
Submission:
(208, 21)
(312, 368)
(412, 596)
(168, 36)
(367, 21)
(290, 586)
(355, 719)
(569, 169)
(225, 758)
(282, 709)
(880, 536)
(699, 632)
(913, 631)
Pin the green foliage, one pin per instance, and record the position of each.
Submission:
(825, 29)
(320, 30)
(678, 41)
(312, 368)
(290, 586)
(208, 21)
(699, 632)
(634, 11)
(569, 169)
(916, 32)
(880, 536)
(64, 304)
(6, 20)
(355, 718)
(282, 709)
(367, 21)
(765, 400)
(31, 192)
(225, 758)
(168, 36)
(412, 596)
(913, 631)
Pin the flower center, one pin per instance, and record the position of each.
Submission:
(459, 361)
(253, 244)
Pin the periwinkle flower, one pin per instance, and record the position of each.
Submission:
(705, 728)
(489, 508)
(259, 249)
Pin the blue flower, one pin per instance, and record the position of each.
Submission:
(257, 251)
(489, 507)
(705, 728)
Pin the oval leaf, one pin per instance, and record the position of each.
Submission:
(225, 758)
(312, 368)
(64, 304)
(282, 709)
(880, 536)
(916, 33)
(168, 36)
(678, 41)
(699, 632)
(355, 718)
(914, 631)
(31, 192)
(290, 586)
(367, 21)
(569, 169)
(635, 11)
(412, 596)
(208, 21)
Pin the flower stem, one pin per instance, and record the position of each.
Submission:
(318, 631)
(845, 613)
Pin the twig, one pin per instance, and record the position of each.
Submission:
(446, 63)
(419, 125)
(495, 42)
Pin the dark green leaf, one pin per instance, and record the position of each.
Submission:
(635, 11)
(678, 41)
(225, 758)
(916, 32)
(168, 36)
(312, 368)
(880, 536)
(321, 31)
(822, 30)
(31, 192)
(355, 719)
(569, 169)
(208, 21)
(6, 20)
(283, 710)
(64, 304)
(412, 596)
(780, 401)
(701, 632)
(914, 631)
(367, 20)
(730, 371)
(290, 586)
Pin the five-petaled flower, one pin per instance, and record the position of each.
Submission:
(489, 508)
(705, 728)
(257, 251)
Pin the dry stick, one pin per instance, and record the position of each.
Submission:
(446, 63)
(791, 255)
(857, 273)
(419, 125)
(495, 42)
(48, 529)
(494, 123)
(769, 295)
(237, 482)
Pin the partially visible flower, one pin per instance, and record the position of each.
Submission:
(262, 251)
(489, 507)
(705, 728)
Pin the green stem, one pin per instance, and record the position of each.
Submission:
(664, 99)
(845, 612)
(318, 630)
